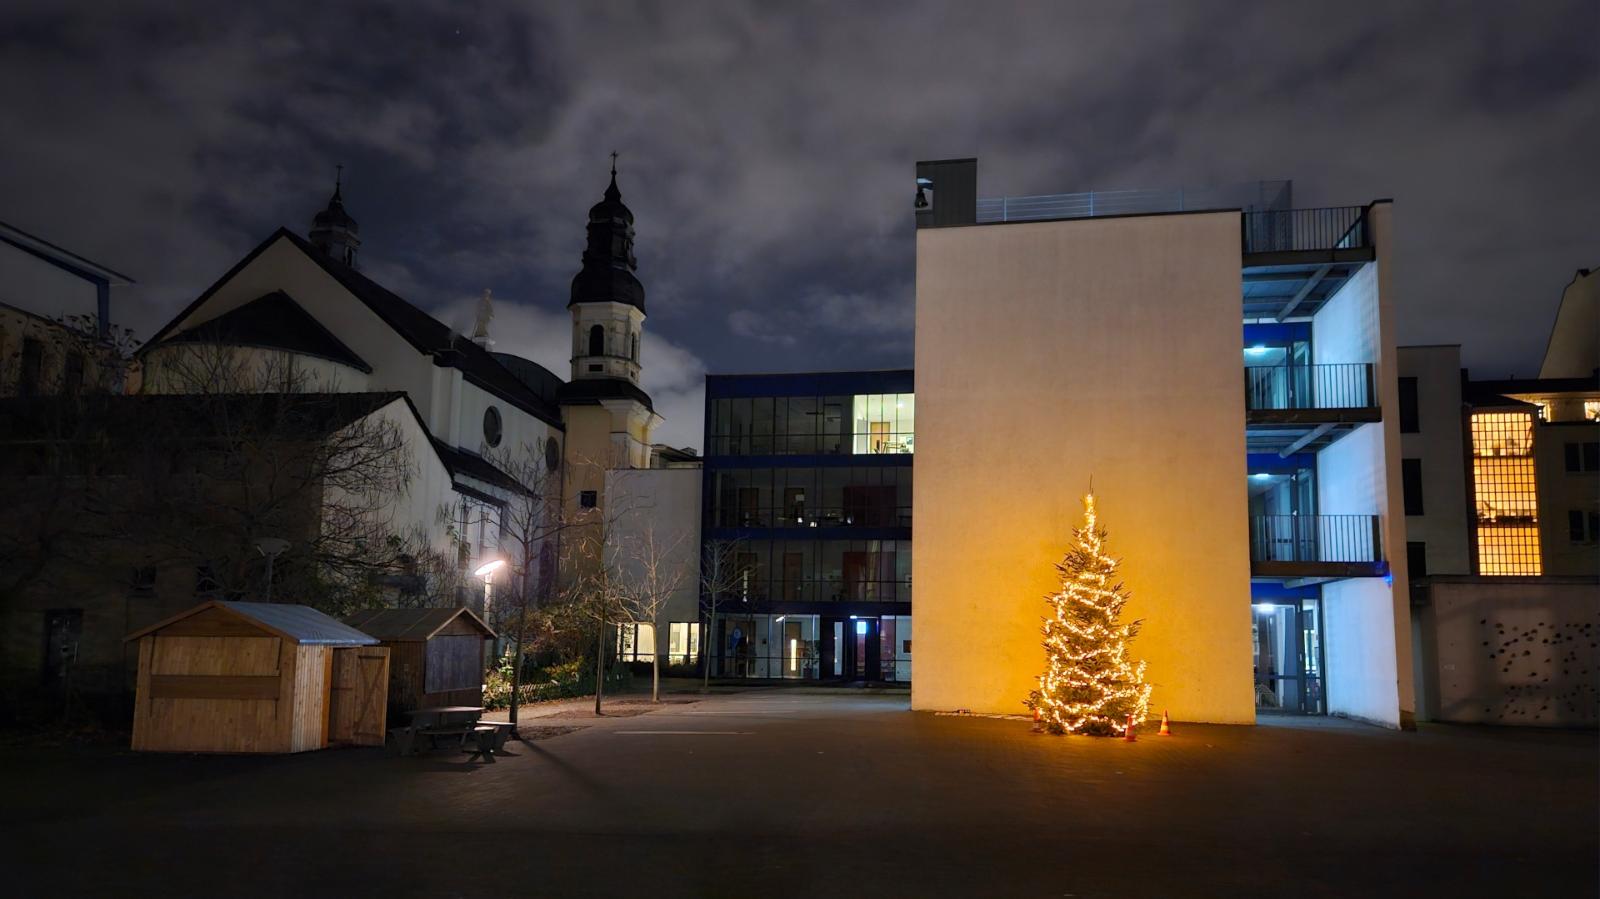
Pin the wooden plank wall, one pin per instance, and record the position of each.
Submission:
(308, 719)
(210, 686)
(358, 705)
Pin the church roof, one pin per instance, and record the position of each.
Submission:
(424, 332)
(590, 391)
(470, 465)
(274, 320)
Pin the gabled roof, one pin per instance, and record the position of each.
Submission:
(273, 320)
(465, 464)
(425, 333)
(299, 624)
(411, 625)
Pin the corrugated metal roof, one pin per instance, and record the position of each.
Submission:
(302, 624)
(398, 625)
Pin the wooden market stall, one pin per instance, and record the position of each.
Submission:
(436, 656)
(257, 677)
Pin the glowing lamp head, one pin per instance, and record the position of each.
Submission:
(490, 567)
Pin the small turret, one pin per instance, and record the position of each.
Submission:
(333, 231)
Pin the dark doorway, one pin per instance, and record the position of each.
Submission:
(850, 649)
(62, 630)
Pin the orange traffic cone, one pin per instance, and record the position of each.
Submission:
(1127, 734)
(1165, 730)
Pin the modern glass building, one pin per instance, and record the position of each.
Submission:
(807, 524)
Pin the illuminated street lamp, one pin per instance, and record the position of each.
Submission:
(486, 571)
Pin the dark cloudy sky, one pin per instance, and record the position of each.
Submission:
(767, 149)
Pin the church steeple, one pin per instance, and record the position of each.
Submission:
(333, 231)
(608, 269)
(607, 301)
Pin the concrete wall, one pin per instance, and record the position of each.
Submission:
(1048, 354)
(1368, 639)
(663, 503)
(1562, 492)
(1509, 650)
(1444, 525)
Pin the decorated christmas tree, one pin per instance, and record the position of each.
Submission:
(1089, 685)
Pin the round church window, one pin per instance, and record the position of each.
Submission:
(492, 426)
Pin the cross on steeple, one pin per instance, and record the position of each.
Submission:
(613, 163)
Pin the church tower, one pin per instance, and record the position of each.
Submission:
(333, 231)
(609, 417)
(607, 302)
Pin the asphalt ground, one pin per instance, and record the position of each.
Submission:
(775, 794)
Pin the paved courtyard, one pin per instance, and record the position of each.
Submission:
(776, 793)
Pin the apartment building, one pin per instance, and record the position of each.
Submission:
(1224, 379)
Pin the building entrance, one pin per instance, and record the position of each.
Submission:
(1287, 644)
(850, 649)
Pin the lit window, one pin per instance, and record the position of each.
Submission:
(883, 423)
(1591, 410)
(683, 642)
(636, 642)
(1506, 493)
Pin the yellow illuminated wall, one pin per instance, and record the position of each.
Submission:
(1506, 492)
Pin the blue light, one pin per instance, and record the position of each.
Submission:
(861, 628)
(1255, 350)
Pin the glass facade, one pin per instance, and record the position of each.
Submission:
(813, 647)
(807, 489)
(855, 496)
(1505, 493)
(854, 424)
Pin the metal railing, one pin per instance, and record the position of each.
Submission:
(1315, 538)
(1341, 385)
(1087, 204)
(1289, 230)
(866, 516)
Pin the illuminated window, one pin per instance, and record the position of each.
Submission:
(683, 642)
(1591, 410)
(636, 642)
(884, 423)
(1506, 492)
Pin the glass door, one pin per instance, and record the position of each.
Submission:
(1288, 657)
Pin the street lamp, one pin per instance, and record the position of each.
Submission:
(486, 571)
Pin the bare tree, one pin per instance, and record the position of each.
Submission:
(223, 448)
(530, 527)
(720, 574)
(651, 572)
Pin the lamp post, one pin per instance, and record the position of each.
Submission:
(271, 547)
(486, 571)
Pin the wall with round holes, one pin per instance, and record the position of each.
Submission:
(1513, 651)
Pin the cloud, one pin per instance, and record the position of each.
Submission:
(672, 375)
(767, 149)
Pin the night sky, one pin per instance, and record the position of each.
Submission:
(767, 152)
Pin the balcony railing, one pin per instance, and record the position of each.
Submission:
(866, 516)
(1292, 230)
(1343, 385)
(1315, 538)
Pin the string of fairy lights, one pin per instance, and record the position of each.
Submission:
(1089, 684)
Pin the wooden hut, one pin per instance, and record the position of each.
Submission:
(435, 655)
(257, 677)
